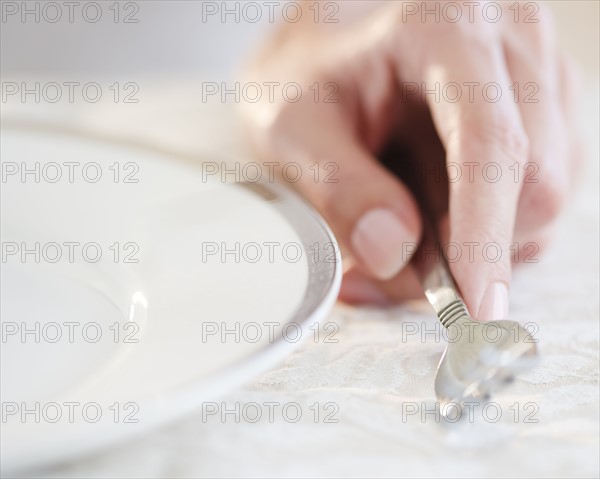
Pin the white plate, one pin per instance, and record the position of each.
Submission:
(162, 352)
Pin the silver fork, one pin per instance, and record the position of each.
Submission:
(480, 358)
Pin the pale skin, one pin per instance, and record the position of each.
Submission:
(370, 59)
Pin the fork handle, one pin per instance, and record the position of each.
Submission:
(436, 279)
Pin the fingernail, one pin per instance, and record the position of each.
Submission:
(377, 241)
(495, 303)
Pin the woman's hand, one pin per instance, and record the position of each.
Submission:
(494, 102)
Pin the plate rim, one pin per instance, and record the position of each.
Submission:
(324, 281)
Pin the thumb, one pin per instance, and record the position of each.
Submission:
(372, 214)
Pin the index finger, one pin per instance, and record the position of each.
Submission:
(466, 84)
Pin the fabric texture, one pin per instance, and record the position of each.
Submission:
(371, 378)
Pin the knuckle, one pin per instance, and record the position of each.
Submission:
(571, 73)
(513, 141)
(477, 30)
(545, 199)
(545, 19)
(431, 17)
(284, 122)
(499, 136)
(537, 22)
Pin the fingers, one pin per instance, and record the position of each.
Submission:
(543, 155)
(570, 81)
(489, 134)
(357, 288)
(519, 146)
(532, 61)
(370, 211)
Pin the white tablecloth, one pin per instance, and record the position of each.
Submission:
(376, 370)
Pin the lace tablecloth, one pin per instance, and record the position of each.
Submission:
(366, 401)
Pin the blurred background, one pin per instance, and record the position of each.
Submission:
(167, 48)
(188, 38)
